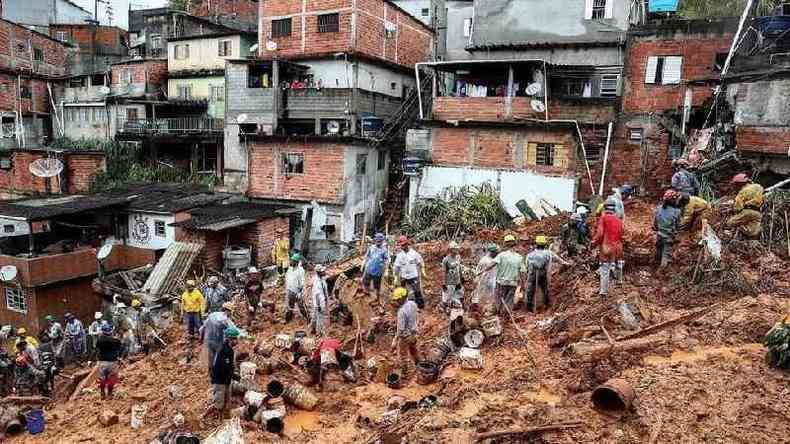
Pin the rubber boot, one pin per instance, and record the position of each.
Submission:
(102, 393)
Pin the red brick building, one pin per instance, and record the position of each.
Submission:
(80, 168)
(240, 10)
(95, 47)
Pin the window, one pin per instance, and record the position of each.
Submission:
(224, 48)
(97, 80)
(5, 161)
(156, 41)
(467, 27)
(362, 164)
(293, 163)
(635, 134)
(545, 154)
(217, 93)
(359, 224)
(675, 151)
(598, 9)
(181, 52)
(281, 28)
(609, 84)
(25, 91)
(593, 152)
(184, 92)
(721, 59)
(79, 82)
(159, 228)
(329, 23)
(15, 299)
(381, 161)
(131, 113)
(8, 228)
(126, 75)
(248, 128)
(63, 36)
(572, 87)
(259, 76)
(664, 70)
(425, 12)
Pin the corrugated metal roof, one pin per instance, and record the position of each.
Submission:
(220, 217)
(224, 225)
(168, 275)
(46, 208)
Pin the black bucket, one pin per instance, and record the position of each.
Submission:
(344, 361)
(393, 380)
(427, 372)
(275, 425)
(275, 389)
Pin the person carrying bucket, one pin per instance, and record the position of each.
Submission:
(405, 341)
(108, 350)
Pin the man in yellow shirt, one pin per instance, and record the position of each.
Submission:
(747, 217)
(193, 305)
(281, 252)
(22, 335)
(695, 209)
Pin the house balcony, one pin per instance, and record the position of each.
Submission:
(171, 126)
(84, 94)
(497, 109)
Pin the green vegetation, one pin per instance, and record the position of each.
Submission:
(180, 5)
(696, 9)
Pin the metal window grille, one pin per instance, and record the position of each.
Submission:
(329, 23)
(15, 300)
(599, 9)
(609, 85)
(293, 163)
(281, 28)
(545, 154)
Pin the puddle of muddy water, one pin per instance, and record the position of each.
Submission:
(731, 353)
(543, 395)
(298, 421)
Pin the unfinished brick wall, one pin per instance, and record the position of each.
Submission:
(261, 237)
(493, 109)
(322, 178)
(80, 171)
(244, 10)
(408, 42)
(766, 140)
(152, 71)
(105, 39)
(699, 52)
(17, 45)
(31, 95)
(503, 148)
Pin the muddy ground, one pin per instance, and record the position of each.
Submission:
(702, 381)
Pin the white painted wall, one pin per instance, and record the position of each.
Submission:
(203, 53)
(363, 193)
(512, 185)
(339, 74)
(142, 233)
(20, 227)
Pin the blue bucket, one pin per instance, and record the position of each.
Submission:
(35, 421)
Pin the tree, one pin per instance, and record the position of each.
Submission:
(694, 9)
(180, 5)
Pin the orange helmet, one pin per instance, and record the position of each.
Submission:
(403, 240)
(740, 178)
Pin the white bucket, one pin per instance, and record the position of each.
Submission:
(471, 358)
(247, 370)
(254, 398)
(328, 358)
(474, 338)
(492, 327)
(283, 341)
(390, 417)
(138, 415)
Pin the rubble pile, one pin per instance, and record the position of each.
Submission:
(690, 352)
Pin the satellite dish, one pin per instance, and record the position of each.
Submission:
(254, 48)
(538, 106)
(104, 90)
(271, 45)
(533, 89)
(333, 127)
(8, 273)
(104, 252)
(46, 167)
(241, 118)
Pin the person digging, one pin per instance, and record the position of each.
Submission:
(405, 341)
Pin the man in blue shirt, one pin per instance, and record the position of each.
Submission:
(376, 261)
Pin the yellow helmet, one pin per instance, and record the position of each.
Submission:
(541, 241)
(21, 331)
(509, 238)
(398, 294)
(136, 303)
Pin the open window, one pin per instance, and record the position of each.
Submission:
(97, 80)
(664, 70)
(259, 76)
(281, 28)
(545, 154)
(293, 163)
(329, 22)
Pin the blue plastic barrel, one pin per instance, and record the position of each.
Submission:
(35, 421)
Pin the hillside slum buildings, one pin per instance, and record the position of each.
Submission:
(308, 122)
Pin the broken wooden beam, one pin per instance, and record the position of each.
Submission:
(590, 352)
(90, 377)
(529, 430)
(653, 329)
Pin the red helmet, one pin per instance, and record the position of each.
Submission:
(740, 178)
(670, 195)
(403, 240)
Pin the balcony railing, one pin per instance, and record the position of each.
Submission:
(176, 125)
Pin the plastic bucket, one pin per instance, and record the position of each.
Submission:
(471, 358)
(492, 327)
(275, 425)
(275, 388)
(298, 395)
(329, 358)
(393, 380)
(34, 423)
(426, 372)
(615, 396)
(474, 338)
(283, 341)
(254, 398)
(138, 415)
(247, 370)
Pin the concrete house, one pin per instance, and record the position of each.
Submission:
(40, 14)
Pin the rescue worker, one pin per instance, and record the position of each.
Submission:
(26, 375)
(405, 341)
(684, 181)
(408, 268)
(212, 332)
(453, 294)
(609, 238)
(325, 357)
(193, 305)
(665, 223)
(94, 330)
(575, 234)
(694, 211)
(53, 329)
(320, 299)
(539, 263)
(143, 325)
(281, 251)
(108, 351)
(215, 295)
(49, 366)
(294, 289)
(22, 335)
(253, 288)
(223, 373)
(486, 278)
(747, 217)
(376, 262)
(510, 268)
(75, 337)
(616, 199)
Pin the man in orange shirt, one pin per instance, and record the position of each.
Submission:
(609, 237)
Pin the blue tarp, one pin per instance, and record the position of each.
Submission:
(663, 5)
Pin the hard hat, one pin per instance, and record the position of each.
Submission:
(120, 305)
(68, 316)
(21, 331)
(252, 270)
(320, 268)
(403, 240)
(232, 332)
(740, 178)
(581, 211)
(190, 283)
(178, 420)
(378, 237)
(454, 245)
(106, 327)
(492, 247)
(398, 294)
(213, 280)
(227, 306)
(98, 315)
(670, 195)
(296, 257)
(509, 238)
(136, 303)
(610, 204)
(541, 240)
(50, 318)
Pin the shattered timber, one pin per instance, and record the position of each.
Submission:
(622, 165)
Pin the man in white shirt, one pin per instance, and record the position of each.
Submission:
(294, 289)
(320, 302)
(408, 267)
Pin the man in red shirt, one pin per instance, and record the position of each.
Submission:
(609, 237)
